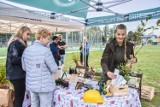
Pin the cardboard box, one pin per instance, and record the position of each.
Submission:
(119, 90)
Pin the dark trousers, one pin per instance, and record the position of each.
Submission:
(19, 89)
(56, 58)
(86, 59)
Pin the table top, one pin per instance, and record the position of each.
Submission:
(69, 97)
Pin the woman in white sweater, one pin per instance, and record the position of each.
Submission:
(39, 64)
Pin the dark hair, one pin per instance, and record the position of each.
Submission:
(54, 37)
(120, 26)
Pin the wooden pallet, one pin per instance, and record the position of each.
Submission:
(119, 90)
(147, 92)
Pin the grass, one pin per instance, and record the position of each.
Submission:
(3, 52)
(148, 62)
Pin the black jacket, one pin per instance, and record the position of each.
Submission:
(13, 63)
(108, 57)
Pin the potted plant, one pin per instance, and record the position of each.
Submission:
(3, 81)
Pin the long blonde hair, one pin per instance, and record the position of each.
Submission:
(19, 35)
(122, 26)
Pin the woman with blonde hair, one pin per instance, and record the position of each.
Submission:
(117, 52)
(39, 64)
(14, 71)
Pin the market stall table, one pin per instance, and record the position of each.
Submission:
(69, 97)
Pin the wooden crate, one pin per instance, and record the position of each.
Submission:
(147, 92)
(119, 90)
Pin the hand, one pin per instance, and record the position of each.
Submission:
(60, 47)
(111, 75)
(133, 60)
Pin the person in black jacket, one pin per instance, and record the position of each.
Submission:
(117, 52)
(14, 71)
(63, 46)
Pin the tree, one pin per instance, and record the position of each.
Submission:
(142, 29)
(94, 34)
(133, 37)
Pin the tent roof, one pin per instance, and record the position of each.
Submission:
(99, 10)
(11, 18)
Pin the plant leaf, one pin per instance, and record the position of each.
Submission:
(148, 18)
(145, 30)
(148, 28)
(158, 22)
(139, 29)
(142, 23)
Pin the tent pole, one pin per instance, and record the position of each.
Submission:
(84, 49)
(72, 41)
(67, 38)
(10, 26)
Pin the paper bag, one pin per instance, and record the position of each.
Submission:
(6, 98)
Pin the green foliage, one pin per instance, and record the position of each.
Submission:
(148, 18)
(3, 74)
(132, 36)
(110, 38)
(93, 34)
(143, 24)
(158, 22)
(124, 71)
(103, 40)
(75, 57)
(150, 41)
(109, 31)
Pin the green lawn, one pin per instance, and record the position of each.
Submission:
(3, 52)
(148, 62)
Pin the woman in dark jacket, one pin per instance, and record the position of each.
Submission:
(117, 52)
(14, 71)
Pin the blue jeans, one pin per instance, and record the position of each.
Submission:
(41, 99)
(62, 59)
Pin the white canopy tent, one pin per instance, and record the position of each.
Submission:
(11, 18)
